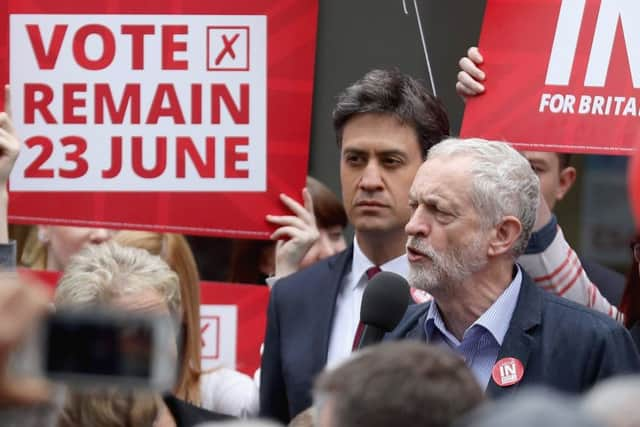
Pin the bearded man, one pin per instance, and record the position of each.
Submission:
(473, 209)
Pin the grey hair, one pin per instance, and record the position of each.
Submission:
(98, 274)
(503, 183)
(531, 407)
(615, 401)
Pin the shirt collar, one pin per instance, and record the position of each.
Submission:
(495, 319)
(360, 264)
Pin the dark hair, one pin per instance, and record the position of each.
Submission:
(630, 303)
(564, 160)
(246, 258)
(402, 383)
(392, 92)
(327, 208)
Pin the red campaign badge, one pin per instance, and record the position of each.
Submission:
(419, 296)
(507, 372)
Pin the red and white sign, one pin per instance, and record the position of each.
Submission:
(219, 330)
(562, 75)
(507, 372)
(186, 117)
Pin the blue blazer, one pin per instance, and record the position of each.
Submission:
(560, 344)
(299, 322)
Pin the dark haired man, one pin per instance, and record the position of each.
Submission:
(385, 123)
(431, 386)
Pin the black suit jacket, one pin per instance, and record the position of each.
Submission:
(188, 415)
(299, 322)
(560, 344)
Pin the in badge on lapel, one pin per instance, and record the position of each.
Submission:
(507, 371)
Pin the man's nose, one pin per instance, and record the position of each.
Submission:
(371, 176)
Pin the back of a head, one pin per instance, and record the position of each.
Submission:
(240, 423)
(535, 407)
(398, 94)
(503, 182)
(615, 401)
(99, 274)
(327, 207)
(398, 384)
(109, 409)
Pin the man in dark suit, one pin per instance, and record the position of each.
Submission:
(384, 123)
(474, 206)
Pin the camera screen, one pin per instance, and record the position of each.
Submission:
(98, 348)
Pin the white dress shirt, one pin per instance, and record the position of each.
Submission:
(347, 312)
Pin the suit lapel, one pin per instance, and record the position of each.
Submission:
(519, 339)
(325, 302)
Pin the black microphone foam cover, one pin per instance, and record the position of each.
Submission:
(385, 301)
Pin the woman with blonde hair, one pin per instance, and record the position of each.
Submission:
(50, 247)
(222, 390)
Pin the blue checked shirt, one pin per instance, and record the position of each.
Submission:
(482, 340)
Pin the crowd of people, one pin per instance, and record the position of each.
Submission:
(510, 325)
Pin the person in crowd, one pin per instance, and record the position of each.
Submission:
(22, 304)
(557, 177)
(473, 209)
(614, 402)
(534, 407)
(400, 384)
(46, 247)
(313, 232)
(384, 124)
(49, 247)
(630, 305)
(9, 149)
(129, 279)
(221, 390)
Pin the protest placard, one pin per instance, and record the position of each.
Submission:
(562, 75)
(177, 116)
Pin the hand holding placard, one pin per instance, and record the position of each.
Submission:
(9, 142)
(9, 149)
(296, 234)
(470, 74)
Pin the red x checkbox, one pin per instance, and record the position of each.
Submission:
(228, 48)
(210, 336)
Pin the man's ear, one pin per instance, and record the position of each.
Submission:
(566, 179)
(504, 236)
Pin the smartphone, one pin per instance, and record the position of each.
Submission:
(97, 348)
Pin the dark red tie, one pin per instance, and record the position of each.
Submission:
(372, 271)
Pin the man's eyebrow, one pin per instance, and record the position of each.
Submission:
(355, 150)
(391, 152)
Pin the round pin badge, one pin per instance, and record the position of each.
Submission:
(507, 371)
(419, 296)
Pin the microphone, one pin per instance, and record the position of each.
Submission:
(384, 302)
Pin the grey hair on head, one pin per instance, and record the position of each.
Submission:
(503, 183)
(99, 274)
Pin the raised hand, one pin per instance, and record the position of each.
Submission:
(296, 234)
(470, 74)
(9, 141)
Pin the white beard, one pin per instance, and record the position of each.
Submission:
(445, 270)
